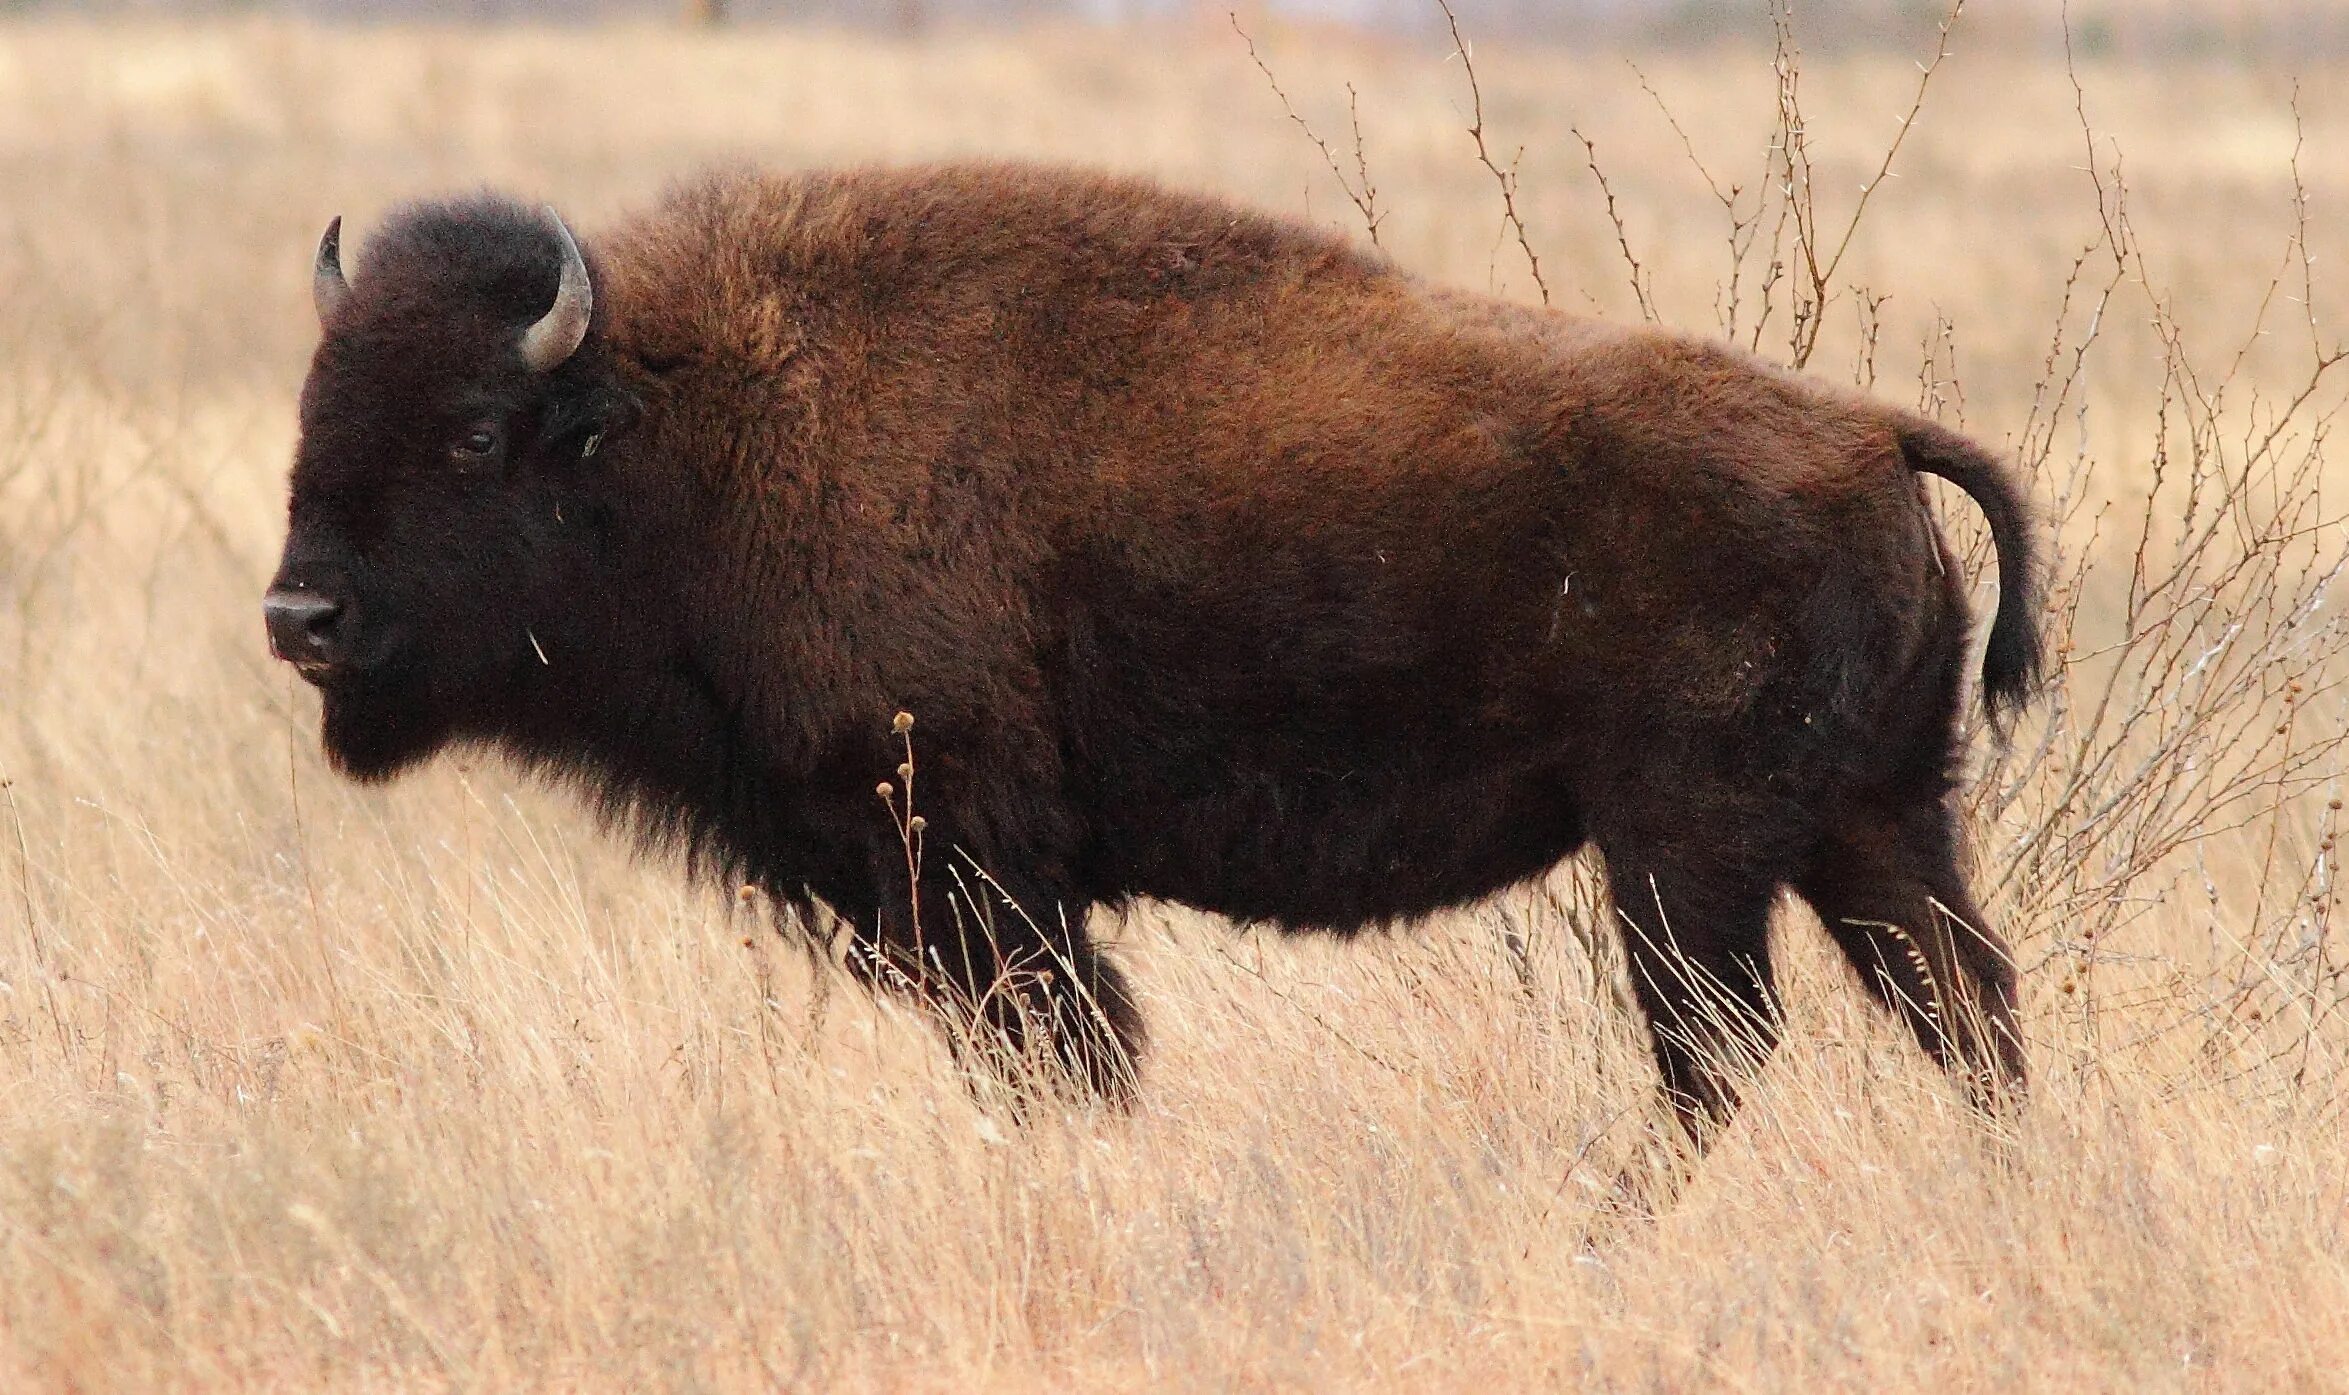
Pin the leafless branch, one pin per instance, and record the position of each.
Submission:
(1359, 191)
(1639, 278)
(1505, 178)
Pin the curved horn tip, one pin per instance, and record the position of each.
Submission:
(328, 287)
(547, 344)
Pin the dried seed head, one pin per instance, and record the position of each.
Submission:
(916, 824)
(902, 724)
(885, 790)
(749, 943)
(747, 893)
(905, 770)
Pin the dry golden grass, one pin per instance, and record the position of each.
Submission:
(309, 1088)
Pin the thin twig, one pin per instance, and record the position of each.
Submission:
(1639, 288)
(1506, 179)
(1359, 191)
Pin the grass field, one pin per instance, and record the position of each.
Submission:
(307, 1088)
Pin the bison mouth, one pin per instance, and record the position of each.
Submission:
(374, 729)
(318, 673)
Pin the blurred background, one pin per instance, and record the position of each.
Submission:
(2137, 27)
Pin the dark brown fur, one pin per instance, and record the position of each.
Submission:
(1220, 562)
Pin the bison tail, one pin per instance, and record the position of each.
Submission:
(2013, 662)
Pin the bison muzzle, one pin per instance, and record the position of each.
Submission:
(1221, 562)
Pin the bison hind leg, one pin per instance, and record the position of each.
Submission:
(1887, 885)
(1696, 937)
(1693, 913)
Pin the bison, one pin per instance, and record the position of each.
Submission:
(1221, 561)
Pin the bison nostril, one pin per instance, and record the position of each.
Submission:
(302, 627)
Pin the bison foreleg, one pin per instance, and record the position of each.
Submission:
(1022, 993)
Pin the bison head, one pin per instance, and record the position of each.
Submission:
(442, 517)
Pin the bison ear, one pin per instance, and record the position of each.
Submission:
(579, 425)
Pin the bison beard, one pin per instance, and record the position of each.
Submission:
(1221, 561)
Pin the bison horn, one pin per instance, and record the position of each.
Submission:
(328, 289)
(556, 336)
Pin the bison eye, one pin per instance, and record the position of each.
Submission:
(477, 444)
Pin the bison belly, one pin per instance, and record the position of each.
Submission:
(1296, 843)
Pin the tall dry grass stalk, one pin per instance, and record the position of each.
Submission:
(434, 1088)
